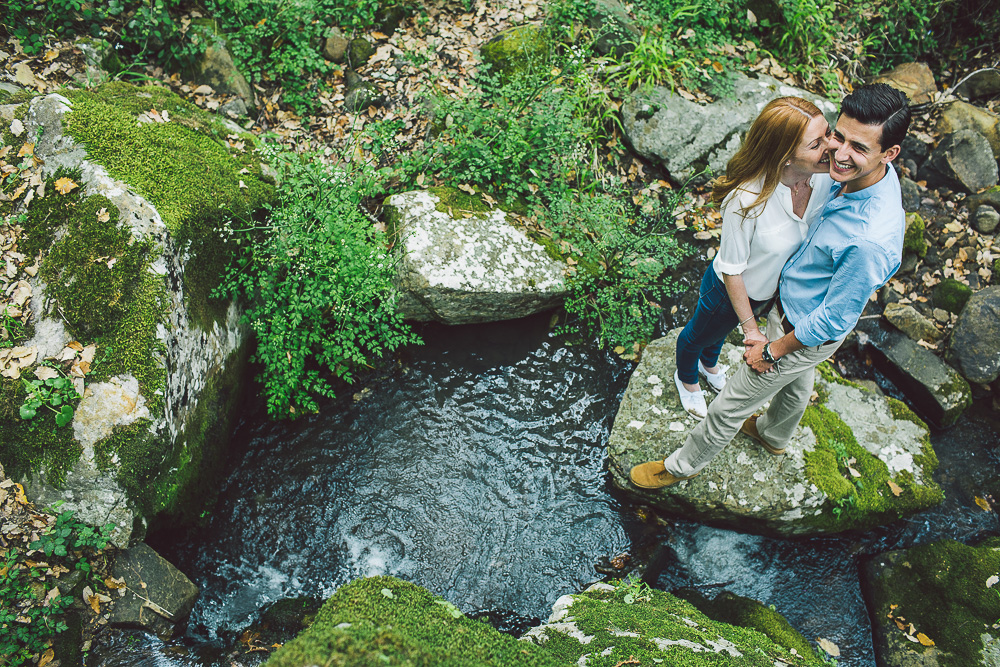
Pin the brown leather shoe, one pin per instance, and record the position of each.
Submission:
(652, 475)
(750, 428)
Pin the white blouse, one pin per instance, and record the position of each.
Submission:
(758, 246)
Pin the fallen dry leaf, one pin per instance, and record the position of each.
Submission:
(48, 656)
(895, 488)
(924, 639)
(103, 215)
(46, 373)
(828, 646)
(64, 185)
(983, 504)
(203, 89)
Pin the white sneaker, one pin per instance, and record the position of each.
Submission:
(715, 380)
(692, 401)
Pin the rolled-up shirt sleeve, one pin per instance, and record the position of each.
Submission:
(737, 231)
(860, 268)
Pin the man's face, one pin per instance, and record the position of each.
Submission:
(856, 156)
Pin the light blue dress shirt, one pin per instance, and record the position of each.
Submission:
(851, 251)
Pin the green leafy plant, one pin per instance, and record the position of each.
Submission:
(54, 393)
(633, 589)
(623, 266)
(31, 607)
(317, 279)
(11, 329)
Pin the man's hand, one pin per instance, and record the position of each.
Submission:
(754, 337)
(754, 357)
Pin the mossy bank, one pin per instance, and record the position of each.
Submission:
(127, 262)
(382, 620)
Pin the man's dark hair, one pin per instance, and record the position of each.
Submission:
(880, 104)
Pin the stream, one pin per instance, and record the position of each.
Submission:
(477, 470)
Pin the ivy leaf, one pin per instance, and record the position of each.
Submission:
(64, 185)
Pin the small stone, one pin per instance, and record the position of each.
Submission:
(986, 220)
(941, 315)
(359, 51)
(912, 323)
(335, 48)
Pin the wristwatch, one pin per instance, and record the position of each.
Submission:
(766, 354)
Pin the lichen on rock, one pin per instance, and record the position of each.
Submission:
(811, 489)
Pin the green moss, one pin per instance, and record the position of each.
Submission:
(941, 589)
(605, 616)
(830, 374)
(913, 239)
(516, 51)
(28, 446)
(412, 627)
(747, 613)
(176, 483)
(865, 501)
(451, 200)
(187, 167)
(951, 295)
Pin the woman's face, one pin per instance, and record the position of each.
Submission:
(811, 155)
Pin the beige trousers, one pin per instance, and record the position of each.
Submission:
(788, 385)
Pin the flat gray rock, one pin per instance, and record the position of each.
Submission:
(158, 597)
(975, 342)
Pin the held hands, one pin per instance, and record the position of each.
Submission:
(754, 356)
(751, 338)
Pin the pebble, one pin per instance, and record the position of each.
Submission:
(941, 315)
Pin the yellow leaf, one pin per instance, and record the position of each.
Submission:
(983, 504)
(50, 55)
(46, 658)
(27, 149)
(924, 639)
(895, 488)
(717, 66)
(64, 185)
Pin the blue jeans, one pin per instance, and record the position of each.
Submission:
(712, 321)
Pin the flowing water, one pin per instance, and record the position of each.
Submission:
(477, 470)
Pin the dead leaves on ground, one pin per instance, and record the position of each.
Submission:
(909, 630)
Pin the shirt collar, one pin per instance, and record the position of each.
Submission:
(871, 190)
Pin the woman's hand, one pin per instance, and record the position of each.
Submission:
(752, 338)
(754, 357)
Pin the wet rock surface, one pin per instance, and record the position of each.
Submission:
(747, 488)
(158, 597)
(974, 347)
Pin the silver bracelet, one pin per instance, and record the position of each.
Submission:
(746, 320)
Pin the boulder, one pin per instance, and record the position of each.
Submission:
(687, 137)
(148, 439)
(989, 197)
(913, 239)
(615, 32)
(634, 624)
(808, 490)
(974, 347)
(951, 295)
(914, 149)
(906, 318)
(461, 262)
(939, 393)
(360, 93)
(914, 79)
(986, 219)
(984, 83)
(359, 50)
(935, 604)
(215, 67)
(963, 116)
(516, 50)
(335, 46)
(962, 161)
(389, 16)
(155, 596)
(911, 194)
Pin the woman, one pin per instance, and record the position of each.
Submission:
(767, 205)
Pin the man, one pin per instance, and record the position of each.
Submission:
(851, 251)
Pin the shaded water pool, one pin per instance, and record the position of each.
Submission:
(478, 471)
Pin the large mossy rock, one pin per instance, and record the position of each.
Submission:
(128, 260)
(461, 262)
(608, 626)
(810, 489)
(936, 605)
(687, 137)
(383, 620)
